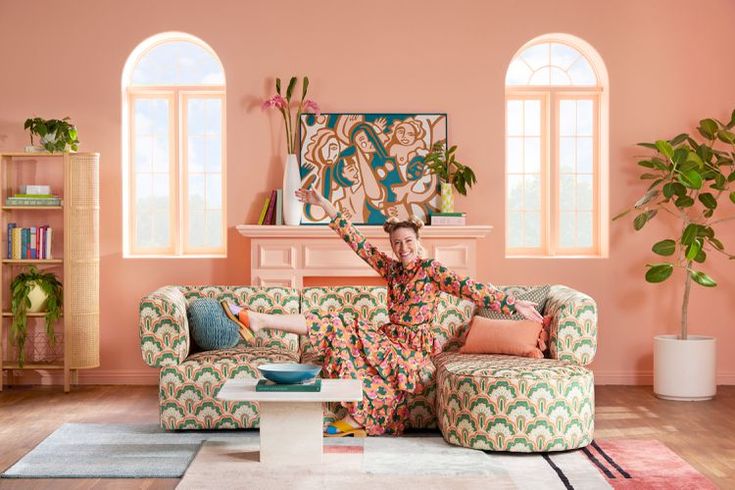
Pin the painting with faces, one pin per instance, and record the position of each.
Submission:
(371, 166)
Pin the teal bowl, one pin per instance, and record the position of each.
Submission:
(289, 372)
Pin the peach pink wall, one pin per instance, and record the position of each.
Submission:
(668, 66)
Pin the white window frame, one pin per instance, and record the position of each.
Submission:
(550, 96)
(177, 96)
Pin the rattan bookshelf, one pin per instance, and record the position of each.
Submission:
(75, 258)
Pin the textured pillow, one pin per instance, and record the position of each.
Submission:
(210, 327)
(512, 337)
(537, 294)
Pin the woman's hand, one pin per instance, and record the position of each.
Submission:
(528, 311)
(310, 196)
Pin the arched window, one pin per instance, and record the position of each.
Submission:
(174, 149)
(556, 149)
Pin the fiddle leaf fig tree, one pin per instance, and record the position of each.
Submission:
(693, 182)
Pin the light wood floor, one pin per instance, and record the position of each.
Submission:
(703, 433)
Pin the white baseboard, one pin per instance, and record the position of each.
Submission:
(645, 378)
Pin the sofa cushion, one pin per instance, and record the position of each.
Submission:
(210, 327)
(537, 294)
(516, 338)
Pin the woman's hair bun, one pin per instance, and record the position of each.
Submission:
(416, 220)
(393, 223)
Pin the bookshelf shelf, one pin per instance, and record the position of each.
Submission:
(75, 178)
(33, 261)
(12, 208)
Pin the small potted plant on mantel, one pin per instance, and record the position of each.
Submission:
(691, 183)
(452, 174)
(34, 291)
(55, 135)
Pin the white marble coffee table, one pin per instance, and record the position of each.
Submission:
(291, 423)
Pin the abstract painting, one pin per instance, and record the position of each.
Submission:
(370, 166)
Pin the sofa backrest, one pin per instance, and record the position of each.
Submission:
(277, 300)
(369, 303)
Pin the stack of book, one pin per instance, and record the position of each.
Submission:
(447, 219)
(33, 242)
(311, 385)
(33, 195)
(272, 211)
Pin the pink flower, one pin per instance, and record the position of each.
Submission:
(276, 101)
(311, 106)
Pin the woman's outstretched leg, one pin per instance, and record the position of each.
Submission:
(253, 321)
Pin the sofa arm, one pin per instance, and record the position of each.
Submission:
(163, 327)
(573, 329)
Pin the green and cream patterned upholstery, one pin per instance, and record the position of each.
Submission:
(507, 403)
(479, 401)
(190, 381)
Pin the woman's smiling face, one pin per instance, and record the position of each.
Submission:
(404, 244)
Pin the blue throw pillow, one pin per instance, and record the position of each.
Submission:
(210, 328)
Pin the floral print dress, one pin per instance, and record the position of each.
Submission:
(388, 358)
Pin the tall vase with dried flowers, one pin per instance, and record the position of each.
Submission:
(292, 208)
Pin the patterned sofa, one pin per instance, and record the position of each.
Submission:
(491, 402)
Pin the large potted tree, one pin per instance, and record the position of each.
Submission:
(690, 182)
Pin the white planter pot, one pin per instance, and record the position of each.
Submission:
(684, 369)
(38, 299)
(292, 207)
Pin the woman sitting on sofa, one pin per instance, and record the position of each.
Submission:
(387, 358)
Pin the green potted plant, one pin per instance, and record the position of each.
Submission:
(452, 174)
(34, 291)
(56, 135)
(690, 183)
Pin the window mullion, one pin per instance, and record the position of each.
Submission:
(552, 181)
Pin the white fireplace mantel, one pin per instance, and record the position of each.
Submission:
(285, 255)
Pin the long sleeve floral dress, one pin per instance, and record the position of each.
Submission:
(388, 358)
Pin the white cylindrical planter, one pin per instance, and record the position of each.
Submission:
(684, 369)
(292, 207)
(447, 197)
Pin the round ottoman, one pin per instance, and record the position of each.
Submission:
(505, 403)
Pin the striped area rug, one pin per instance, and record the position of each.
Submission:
(427, 462)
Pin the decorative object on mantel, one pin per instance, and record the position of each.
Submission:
(452, 174)
(272, 211)
(56, 135)
(451, 219)
(688, 180)
(292, 173)
(371, 166)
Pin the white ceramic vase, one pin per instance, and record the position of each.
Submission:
(292, 207)
(684, 369)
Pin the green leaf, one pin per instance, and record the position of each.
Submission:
(304, 87)
(278, 86)
(620, 215)
(664, 247)
(655, 183)
(693, 249)
(689, 234)
(707, 128)
(716, 243)
(726, 136)
(684, 202)
(648, 176)
(648, 145)
(643, 218)
(691, 156)
(702, 279)
(708, 200)
(732, 197)
(676, 140)
(665, 148)
(291, 86)
(647, 164)
(701, 256)
(680, 156)
(691, 179)
(659, 272)
(646, 198)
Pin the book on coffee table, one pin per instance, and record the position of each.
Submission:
(267, 385)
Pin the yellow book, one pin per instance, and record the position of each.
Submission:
(264, 210)
(16, 242)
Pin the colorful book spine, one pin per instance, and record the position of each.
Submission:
(33, 201)
(49, 241)
(266, 385)
(11, 226)
(279, 206)
(271, 213)
(263, 211)
(32, 250)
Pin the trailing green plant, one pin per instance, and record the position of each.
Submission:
(689, 179)
(442, 161)
(19, 289)
(55, 134)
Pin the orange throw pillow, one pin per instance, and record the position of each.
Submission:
(513, 337)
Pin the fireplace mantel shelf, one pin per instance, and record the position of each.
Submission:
(370, 231)
(285, 255)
